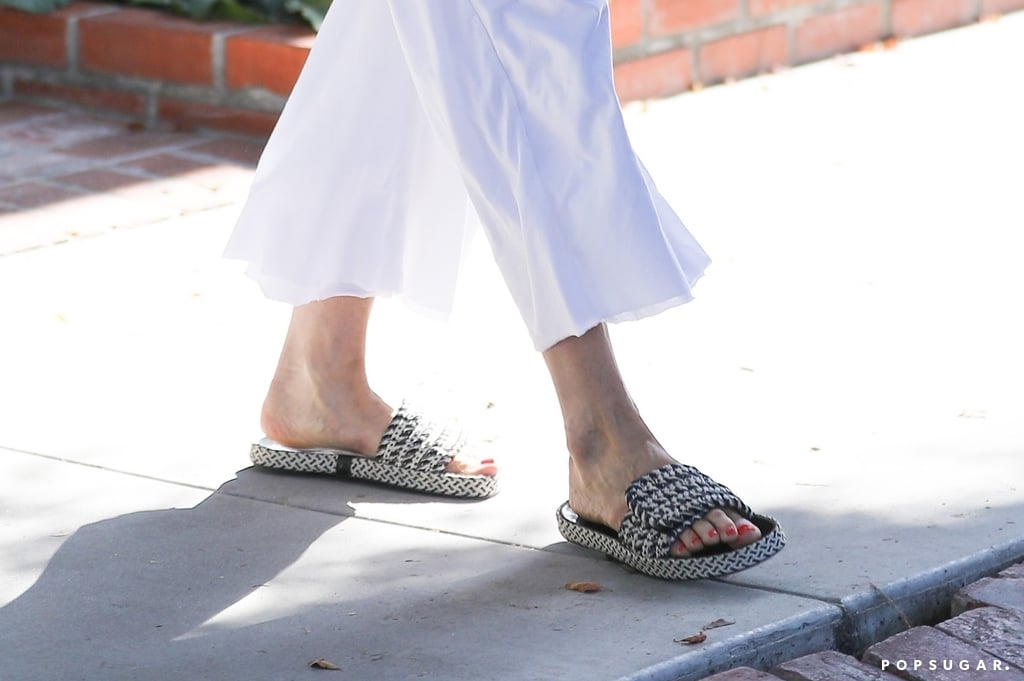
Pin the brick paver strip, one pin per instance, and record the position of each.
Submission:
(128, 143)
(998, 631)
(239, 151)
(1014, 571)
(19, 112)
(225, 178)
(165, 165)
(16, 167)
(830, 666)
(925, 647)
(34, 194)
(51, 132)
(183, 197)
(742, 674)
(998, 591)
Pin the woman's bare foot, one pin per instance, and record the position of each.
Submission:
(320, 397)
(610, 446)
(300, 414)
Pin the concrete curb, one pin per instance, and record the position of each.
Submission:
(920, 599)
(765, 647)
(853, 625)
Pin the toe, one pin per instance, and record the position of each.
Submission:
(707, 532)
(718, 526)
(690, 541)
(747, 532)
(723, 524)
(678, 550)
(465, 465)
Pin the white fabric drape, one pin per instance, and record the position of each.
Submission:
(413, 118)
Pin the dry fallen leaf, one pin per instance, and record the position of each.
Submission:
(584, 587)
(717, 623)
(321, 663)
(699, 637)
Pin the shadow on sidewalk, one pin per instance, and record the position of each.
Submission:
(253, 582)
(247, 586)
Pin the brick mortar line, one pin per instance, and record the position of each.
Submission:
(219, 55)
(218, 61)
(975, 644)
(887, 17)
(249, 99)
(71, 37)
(697, 37)
(71, 45)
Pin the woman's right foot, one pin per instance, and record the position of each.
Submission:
(302, 413)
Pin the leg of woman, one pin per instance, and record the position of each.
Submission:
(522, 95)
(353, 198)
(610, 446)
(320, 396)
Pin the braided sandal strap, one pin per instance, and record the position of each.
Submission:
(413, 442)
(667, 501)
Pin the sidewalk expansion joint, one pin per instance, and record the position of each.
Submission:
(84, 464)
(383, 521)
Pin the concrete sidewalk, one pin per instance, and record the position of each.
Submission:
(852, 366)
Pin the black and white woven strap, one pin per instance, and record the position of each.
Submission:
(667, 501)
(413, 442)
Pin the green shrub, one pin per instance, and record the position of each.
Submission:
(37, 6)
(310, 11)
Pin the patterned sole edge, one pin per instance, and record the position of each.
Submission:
(336, 463)
(677, 569)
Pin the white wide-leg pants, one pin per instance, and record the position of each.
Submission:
(414, 119)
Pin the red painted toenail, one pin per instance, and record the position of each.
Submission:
(712, 534)
(730, 531)
(746, 528)
(695, 542)
(486, 460)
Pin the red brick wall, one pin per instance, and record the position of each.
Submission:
(160, 68)
(666, 46)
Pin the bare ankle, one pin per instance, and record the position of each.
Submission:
(591, 435)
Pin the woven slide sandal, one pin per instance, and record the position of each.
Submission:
(413, 454)
(662, 504)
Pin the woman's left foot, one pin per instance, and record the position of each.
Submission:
(603, 462)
